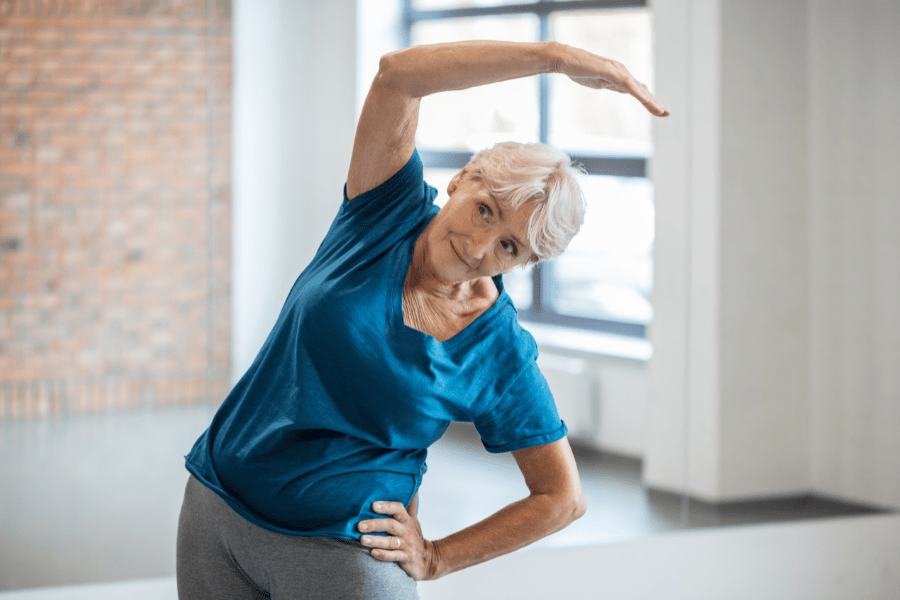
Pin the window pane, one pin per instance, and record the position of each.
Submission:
(441, 4)
(591, 121)
(607, 271)
(477, 118)
(518, 285)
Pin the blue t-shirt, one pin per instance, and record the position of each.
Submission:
(343, 399)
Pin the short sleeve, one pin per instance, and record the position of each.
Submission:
(524, 416)
(402, 197)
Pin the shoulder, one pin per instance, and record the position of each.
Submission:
(404, 188)
(394, 207)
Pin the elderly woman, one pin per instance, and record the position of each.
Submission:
(305, 484)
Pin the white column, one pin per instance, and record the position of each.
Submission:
(293, 122)
(731, 251)
(764, 260)
(855, 250)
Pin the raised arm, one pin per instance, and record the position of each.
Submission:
(555, 500)
(385, 134)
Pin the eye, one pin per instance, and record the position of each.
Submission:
(510, 248)
(484, 211)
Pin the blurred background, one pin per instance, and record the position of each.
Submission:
(116, 205)
(722, 338)
(115, 245)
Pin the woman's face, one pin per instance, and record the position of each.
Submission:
(475, 236)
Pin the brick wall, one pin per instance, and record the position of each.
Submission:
(114, 204)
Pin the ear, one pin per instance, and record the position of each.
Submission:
(454, 183)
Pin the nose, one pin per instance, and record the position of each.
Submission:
(478, 243)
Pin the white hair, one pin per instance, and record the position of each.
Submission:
(517, 173)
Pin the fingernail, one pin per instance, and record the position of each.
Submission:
(363, 526)
(377, 506)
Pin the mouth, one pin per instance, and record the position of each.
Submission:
(460, 257)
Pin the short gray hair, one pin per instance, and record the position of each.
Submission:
(517, 173)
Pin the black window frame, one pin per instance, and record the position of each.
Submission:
(541, 310)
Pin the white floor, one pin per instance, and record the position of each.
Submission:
(162, 588)
(96, 499)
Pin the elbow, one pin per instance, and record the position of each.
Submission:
(390, 71)
(387, 65)
(574, 505)
(578, 506)
(569, 508)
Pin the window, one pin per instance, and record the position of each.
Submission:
(604, 280)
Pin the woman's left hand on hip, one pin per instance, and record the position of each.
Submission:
(403, 544)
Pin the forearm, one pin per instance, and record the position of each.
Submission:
(422, 70)
(513, 527)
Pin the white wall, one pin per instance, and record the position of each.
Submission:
(777, 258)
(855, 249)
(293, 123)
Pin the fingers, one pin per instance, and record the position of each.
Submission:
(388, 556)
(389, 526)
(395, 509)
(404, 543)
(386, 547)
(389, 508)
(640, 91)
(631, 86)
(389, 547)
(403, 533)
(613, 75)
(385, 542)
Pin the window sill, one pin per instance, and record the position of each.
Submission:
(594, 343)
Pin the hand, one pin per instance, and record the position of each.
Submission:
(600, 73)
(404, 543)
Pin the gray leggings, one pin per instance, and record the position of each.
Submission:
(223, 556)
